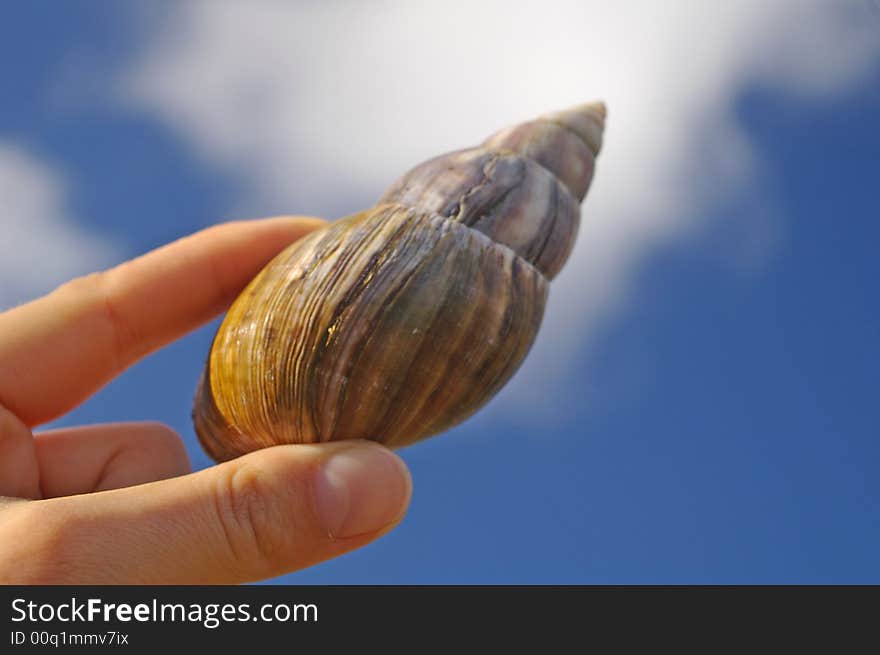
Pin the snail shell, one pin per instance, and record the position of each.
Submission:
(399, 322)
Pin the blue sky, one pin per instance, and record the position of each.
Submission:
(701, 406)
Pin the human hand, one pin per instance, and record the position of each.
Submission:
(115, 503)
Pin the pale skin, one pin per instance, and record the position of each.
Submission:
(116, 503)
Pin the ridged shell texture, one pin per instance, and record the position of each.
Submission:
(401, 321)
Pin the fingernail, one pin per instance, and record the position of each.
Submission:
(361, 489)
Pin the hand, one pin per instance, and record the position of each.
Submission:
(115, 503)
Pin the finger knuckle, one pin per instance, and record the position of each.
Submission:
(249, 517)
(97, 288)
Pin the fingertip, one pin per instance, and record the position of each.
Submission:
(294, 223)
(356, 488)
(301, 219)
(360, 489)
(162, 447)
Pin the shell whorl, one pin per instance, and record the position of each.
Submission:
(401, 321)
(522, 186)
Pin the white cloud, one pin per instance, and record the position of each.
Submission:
(318, 106)
(41, 245)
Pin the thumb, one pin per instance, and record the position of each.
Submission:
(270, 512)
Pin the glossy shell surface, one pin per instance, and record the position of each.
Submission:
(396, 323)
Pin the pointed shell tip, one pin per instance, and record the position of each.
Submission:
(586, 120)
(598, 107)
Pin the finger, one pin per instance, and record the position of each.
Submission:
(258, 516)
(19, 472)
(99, 457)
(59, 349)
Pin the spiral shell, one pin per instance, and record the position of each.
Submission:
(401, 321)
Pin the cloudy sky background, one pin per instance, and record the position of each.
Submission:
(694, 410)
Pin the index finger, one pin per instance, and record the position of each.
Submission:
(61, 348)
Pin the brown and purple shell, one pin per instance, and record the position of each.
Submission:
(401, 321)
